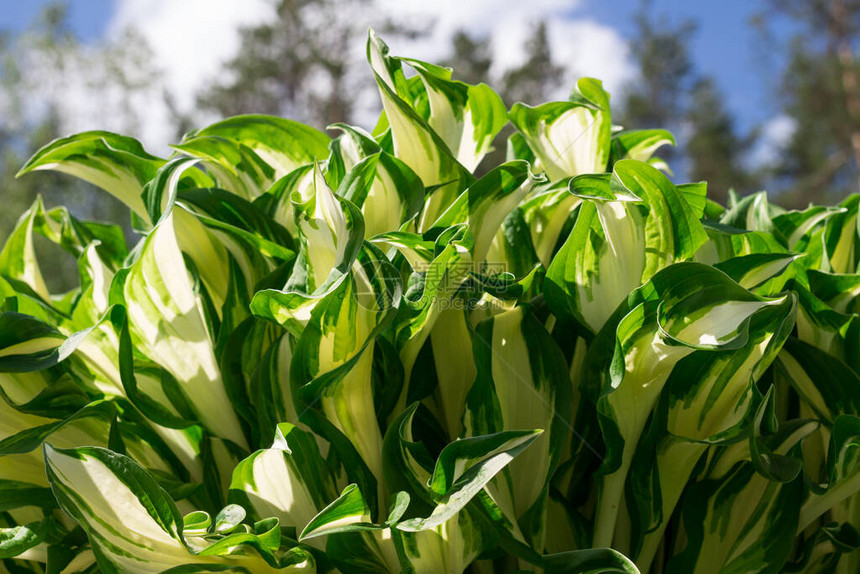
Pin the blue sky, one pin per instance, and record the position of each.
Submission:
(89, 18)
(725, 45)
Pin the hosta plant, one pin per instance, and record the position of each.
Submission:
(374, 352)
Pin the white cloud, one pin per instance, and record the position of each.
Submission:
(506, 22)
(587, 48)
(86, 90)
(191, 40)
(582, 46)
(775, 135)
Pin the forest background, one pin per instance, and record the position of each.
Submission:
(759, 94)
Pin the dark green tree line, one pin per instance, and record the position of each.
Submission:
(671, 93)
(297, 66)
(819, 92)
(33, 65)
